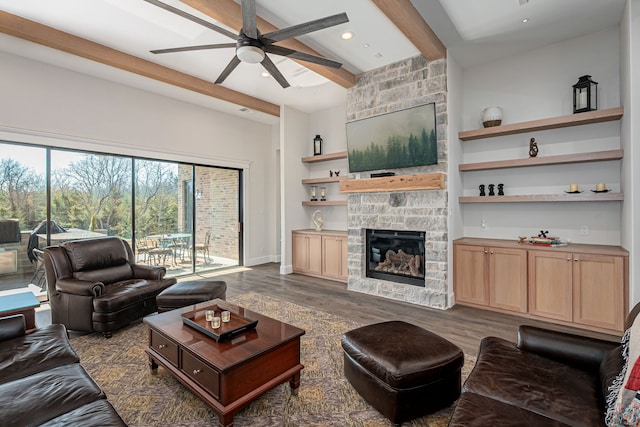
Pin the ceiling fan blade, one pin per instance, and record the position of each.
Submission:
(249, 26)
(228, 69)
(192, 18)
(307, 27)
(200, 47)
(290, 53)
(273, 70)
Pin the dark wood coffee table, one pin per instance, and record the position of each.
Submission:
(230, 374)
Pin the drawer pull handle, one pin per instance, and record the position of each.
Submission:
(196, 371)
(161, 346)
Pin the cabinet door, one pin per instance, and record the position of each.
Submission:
(508, 279)
(471, 274)
(598, 291)
(334, 257)
(550, 285)
(300, 252)
(315, 253)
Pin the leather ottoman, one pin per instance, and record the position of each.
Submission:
(402, 370)
(190, 292)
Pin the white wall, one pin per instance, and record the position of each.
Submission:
(48, 105)
(454, 178)
(630, 94)
(294, 144)
(534, 85)
(330, 125)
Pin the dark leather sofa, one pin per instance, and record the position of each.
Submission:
(42, 383)
(547, 378)
(95, 285)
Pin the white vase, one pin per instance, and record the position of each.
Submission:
(492, 116)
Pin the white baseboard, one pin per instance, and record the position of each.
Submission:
(286, 269)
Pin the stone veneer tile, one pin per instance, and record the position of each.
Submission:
(397, 86)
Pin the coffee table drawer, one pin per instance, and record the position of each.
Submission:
(207, 377)
(163, 345)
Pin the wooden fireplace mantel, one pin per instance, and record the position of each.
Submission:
(428, 181)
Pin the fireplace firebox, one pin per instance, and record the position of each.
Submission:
(396, 256)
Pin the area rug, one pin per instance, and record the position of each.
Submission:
(325, 398)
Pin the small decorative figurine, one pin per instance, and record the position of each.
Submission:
(330, 173)
(481, 188)
(543, 234)
(317, 220)
(337, 173)
(500, 189)
(533, 148)
(491, 190)
(521, 239)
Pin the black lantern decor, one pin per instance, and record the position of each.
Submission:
(585, 95)
(317, 145)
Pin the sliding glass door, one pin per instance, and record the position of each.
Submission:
(185, 217)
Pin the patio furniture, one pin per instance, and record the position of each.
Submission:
(190, 292)
(95, 285)
(204, 247)
(402, 370)
(157, 250)
(39, 277)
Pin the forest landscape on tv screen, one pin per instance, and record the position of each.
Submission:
(401, 139)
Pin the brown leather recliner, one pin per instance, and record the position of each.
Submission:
(95, 285)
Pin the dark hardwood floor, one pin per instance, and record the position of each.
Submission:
(464, 326)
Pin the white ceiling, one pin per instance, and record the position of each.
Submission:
(473, 32)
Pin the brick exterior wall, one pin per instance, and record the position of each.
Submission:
(398, 86)
(216, 209)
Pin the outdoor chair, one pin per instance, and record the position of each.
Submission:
(204, 247)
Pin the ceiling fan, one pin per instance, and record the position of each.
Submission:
(252, 46)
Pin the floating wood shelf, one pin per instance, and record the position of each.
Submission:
(596, 156)
(589, 117)
(326, 203)
(323, 180)
(582, 197)
(430, 181)
(325, 157)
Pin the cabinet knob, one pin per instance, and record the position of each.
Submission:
(196, 371)
(568, 259)
(576, 260)
(161, 346)
(486, 252)
(491, 252)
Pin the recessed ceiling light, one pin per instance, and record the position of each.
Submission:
(525, 20)
(378, 55)
(265, 74)
(366, 45)
(347, 35)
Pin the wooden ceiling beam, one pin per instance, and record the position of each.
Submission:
(228, 12)
(408, 20)
(47, 36)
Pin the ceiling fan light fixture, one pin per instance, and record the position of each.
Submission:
(250, 54)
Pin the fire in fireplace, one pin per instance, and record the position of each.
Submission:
(397, 256)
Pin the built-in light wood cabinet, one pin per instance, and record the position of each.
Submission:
(334, 256)
(307, 253)
(320, 253)
(583, 288)
(578, 285)
(491, 276)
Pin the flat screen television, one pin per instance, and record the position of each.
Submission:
(401, 139)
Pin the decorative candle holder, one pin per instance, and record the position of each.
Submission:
(208, 315)
(226, 316)
(323, 193)
(314, 193)
(215, 322)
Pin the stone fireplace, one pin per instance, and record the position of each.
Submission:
(398, 86)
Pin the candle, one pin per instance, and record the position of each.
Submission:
(583, 99)
(573, 188)
(208, 315)
(601, 187)
(226, 316)
(215, 322)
